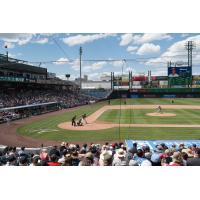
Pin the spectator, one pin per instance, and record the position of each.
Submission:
(147, 153)
(35, 160)
(55, 151)
(22, 152)
(188, 152)
(64, 155)
(167, 156)
(185, 157)
(44, 155)
(89, 156)
(53, 160)
(85, 162)
(68, 161)
(12, 160)
(107, 160)
(156, 156)
(177, 159)
(140, 159)
(120, 158)
(23, 161)
(75, 158)
(195, 161)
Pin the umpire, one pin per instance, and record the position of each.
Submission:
(74, 121)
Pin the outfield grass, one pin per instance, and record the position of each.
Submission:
(138, 116)
(158, 101)
(47, 128)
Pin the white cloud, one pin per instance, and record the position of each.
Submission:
(117, 63)
(87, 68)
(47, 34)
(131, 49)
(177, 52)
(9, 45)
(63, 77)
(99, 65)
(162, 71)
(130, 69)
(18, 38)
(126, 39)
(94, 66)
(12, 55)
(157, 61)
(81, 39)
(150, 37)
(41, 41)
(184, 34)
(61, 61)
(75, 65)
(23, 38)
(142, 38)
(148, 48)
(94, 76)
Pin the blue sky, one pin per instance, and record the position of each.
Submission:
(151, 51)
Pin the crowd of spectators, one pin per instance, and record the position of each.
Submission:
(115, 154)
(28, 97)
(97, 93)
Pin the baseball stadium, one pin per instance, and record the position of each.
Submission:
(125, 118)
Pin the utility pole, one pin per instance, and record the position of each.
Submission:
(80, 54)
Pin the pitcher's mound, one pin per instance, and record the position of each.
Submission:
(163, 114)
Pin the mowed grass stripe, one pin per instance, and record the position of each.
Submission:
(139, 116)
(157, 101)
(125, 133)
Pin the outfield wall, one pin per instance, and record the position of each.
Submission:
(157, 93)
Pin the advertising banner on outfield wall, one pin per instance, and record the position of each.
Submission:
(159, 78)
(140, 78)
(163, 83)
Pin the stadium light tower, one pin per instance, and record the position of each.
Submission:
(80, 54)
(190, 45)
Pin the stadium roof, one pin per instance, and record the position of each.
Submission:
(19, 65)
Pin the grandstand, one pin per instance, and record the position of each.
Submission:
(27, 90)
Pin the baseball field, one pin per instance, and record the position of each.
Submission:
(134, 119)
